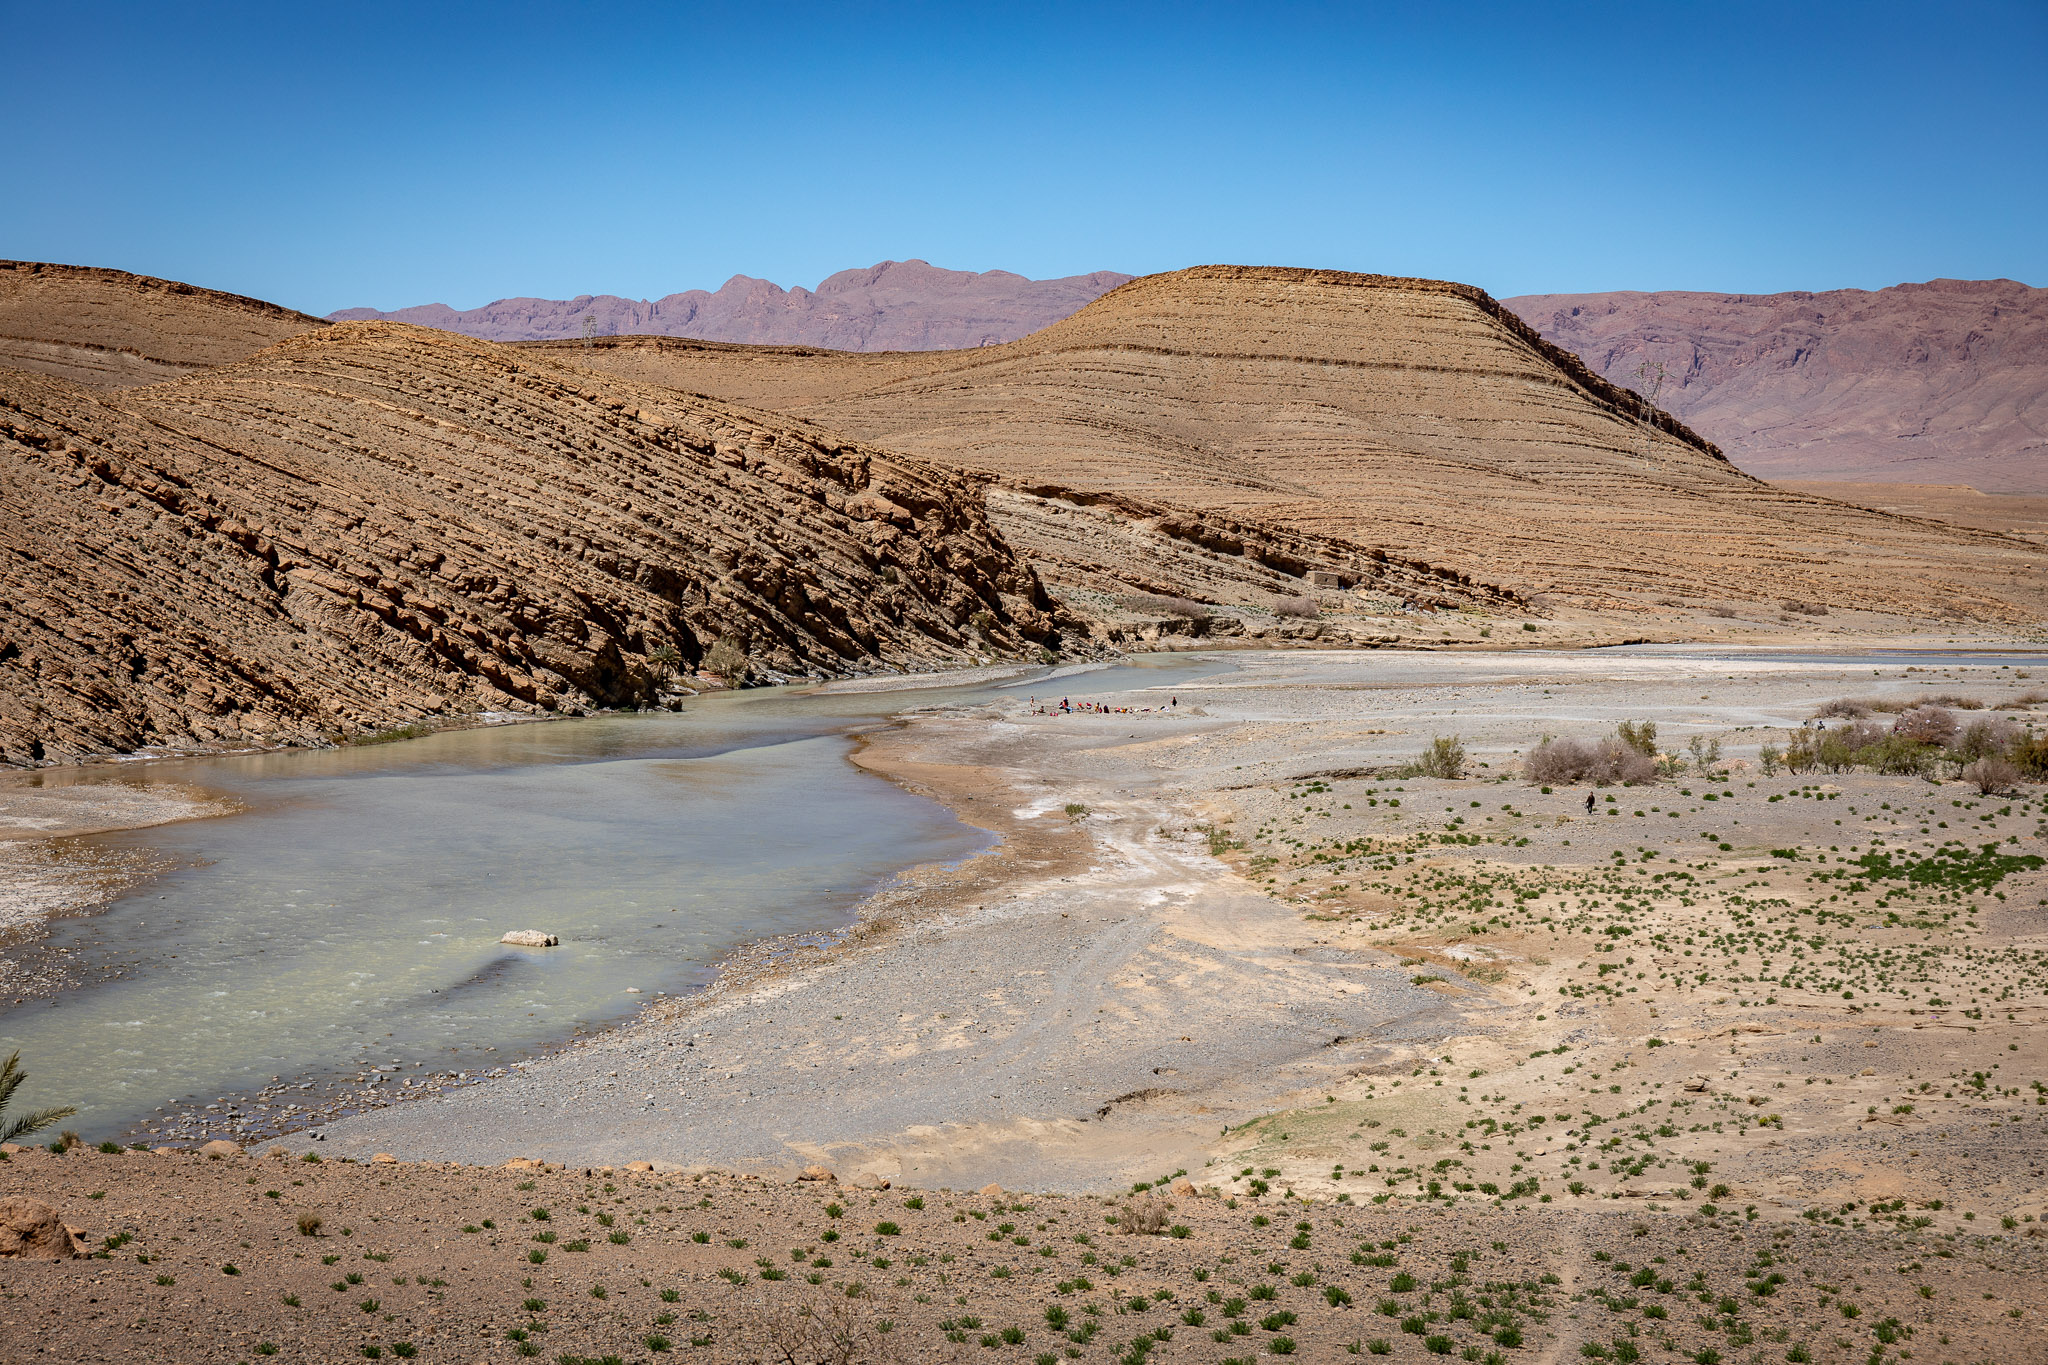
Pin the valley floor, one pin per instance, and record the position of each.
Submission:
(1732, 1021)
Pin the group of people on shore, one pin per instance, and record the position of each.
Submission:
(1068, 707)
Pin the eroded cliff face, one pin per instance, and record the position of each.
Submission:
(1416, 418)
(370, 521)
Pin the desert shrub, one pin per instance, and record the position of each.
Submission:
(1984, 739)
(1992, 775)
(1769, 758)
(1802, 751)
(1640, 735)
(2033, 697)
(1603, 763)
(1804, 608)
(1722, 609)
(1158, 604)
(1296, 606)
(1705, 751)
(727, 659)
(1445, 757)
(1926, 725)
(1847, 708)
(2030, 756)
(1897, 756)
(1960, 703)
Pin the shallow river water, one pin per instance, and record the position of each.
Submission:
(342, 933)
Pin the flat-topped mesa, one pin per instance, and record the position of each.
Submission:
(111, 329)
(1415, 417)
(372, 521)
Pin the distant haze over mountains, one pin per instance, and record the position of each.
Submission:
(893, 306)
(1943, 383)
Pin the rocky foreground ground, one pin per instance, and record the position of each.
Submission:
(241, 1258)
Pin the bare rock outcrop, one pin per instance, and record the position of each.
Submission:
(893, 306)
(32, 1230)
(1415, 418)
(371, 521)
(111, 329)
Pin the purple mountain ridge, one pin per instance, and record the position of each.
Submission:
(893, 306)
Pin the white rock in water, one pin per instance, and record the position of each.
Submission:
(531, 938)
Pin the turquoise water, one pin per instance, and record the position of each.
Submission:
(350, 918)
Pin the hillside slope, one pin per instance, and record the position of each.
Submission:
(1413, 417)
(371, 521)
(111, 329)
(1937, 383)
(893, 306)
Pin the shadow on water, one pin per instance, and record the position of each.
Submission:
(339, 937)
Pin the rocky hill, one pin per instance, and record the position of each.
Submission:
(1937, 383)
(894, 306)
(111, 329)
(1413, 418)
(369, 522)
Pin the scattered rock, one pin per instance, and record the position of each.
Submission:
(531, 938)
(31, 1230)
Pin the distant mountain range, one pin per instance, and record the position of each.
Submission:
(1940, 383)
(894, 306)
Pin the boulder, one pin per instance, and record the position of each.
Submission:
(9, 1148)
(221, 1147)
(868, 1180)
(384, 1159)
(1696, 1084)
(639, 1165)
(992, 1191)
(817, 1173)
(525, 1163)
(1182, 1188)
(530, 938)
(31, 1230)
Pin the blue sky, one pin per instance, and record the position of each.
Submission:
(330, 156)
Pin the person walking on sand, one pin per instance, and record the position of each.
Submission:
(1589, 803)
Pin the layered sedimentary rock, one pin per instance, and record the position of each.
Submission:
(1414, 418)
(372, 521)
(1937, 383)
(893, 306)
(111, 329)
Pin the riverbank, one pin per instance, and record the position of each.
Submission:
(1104, 995)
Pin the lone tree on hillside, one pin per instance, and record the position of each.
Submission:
(11, 1077)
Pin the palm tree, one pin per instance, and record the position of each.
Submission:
(11, 1077)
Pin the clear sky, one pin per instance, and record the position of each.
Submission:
(326, 156)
